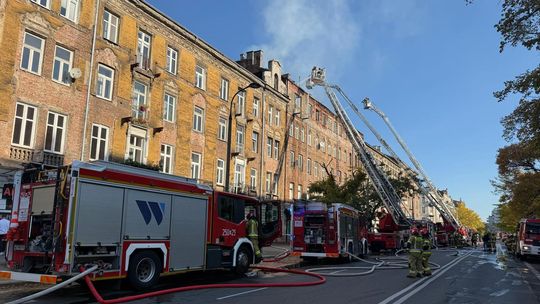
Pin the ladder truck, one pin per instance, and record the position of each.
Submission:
(450, 222)
(394, 222)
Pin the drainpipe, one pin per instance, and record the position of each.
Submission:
(90, 76)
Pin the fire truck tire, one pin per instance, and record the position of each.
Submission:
(243, 260)
(144, 269)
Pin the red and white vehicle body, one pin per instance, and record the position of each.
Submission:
(116, 216)
(388, 235)
(528, 238)
(322, 231)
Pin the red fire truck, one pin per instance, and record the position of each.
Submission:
(332, 231)
(132, 222)
(387, 235)
(528, 238)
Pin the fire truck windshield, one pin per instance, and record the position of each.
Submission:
(532, 228)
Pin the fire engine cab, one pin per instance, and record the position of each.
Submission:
(331, 231)
(132, 222)
(528, 238)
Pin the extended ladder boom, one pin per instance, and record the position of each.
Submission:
(384, 189)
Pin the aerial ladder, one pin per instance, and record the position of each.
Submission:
(383, 187)
(428, 190)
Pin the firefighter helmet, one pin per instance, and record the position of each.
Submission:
(414, 231)
(424, 232)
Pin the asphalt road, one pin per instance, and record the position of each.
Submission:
(470, 277)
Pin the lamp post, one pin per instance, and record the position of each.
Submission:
(253, 85)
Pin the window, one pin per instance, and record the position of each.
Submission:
(98, 143)
(255, 107)
(276, 149)
(253, 179)
(54, 135)
(172, 60)
(231, 209)
(169, 107)
(276, 82)
(291, 191)
(62, 65)
(240, 110)
(32, 53)
(138, 105)
(198, 119)
(269, 146)
(308, 165)
(24, 125)
(200, 77)
(166, 159)
(143, 50)
(292, 158)
(220, 171)
(224, 89)
(316, 169)
(110, 26)
(291, 130)
(300, 162)
(222, 129)
(136, 148)
(317, 115)
(275, 187)
(297, 103)
(302, 134)
(239, 175)
(270, 114)
(70, 9)
(310, 110)
(195, 165)
(268, 183)
(240, 138)
(277, 117)
(299, 193)
(309, 137)
(105, 79)
(44, 3)
(254, 142)
(296, 132)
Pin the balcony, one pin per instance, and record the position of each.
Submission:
(238, 150)
(25, 155)
(21, 154)
(52, 159)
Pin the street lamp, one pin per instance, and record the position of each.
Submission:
(253, 85)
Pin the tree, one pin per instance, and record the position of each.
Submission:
(469, 218)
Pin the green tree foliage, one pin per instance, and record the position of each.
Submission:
(469, 218)
(357, 191)
(519, 163)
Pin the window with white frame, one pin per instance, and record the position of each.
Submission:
(275, 184)
(44, 3)
(99, 143)
(277, 117)
(292, 161)
(144, 42)
(222, 128)
(172, 60)
(139, 106)
(32, 53)
(309, 137)
(224, 89)
(104, 85)
(302, 134)
(239, 174)
(136, 148)
(268, 182)
(316, 169)
(110, 26)
(255, 107)
(24, 125)
(62, 64)
(166, 158)
(241, 105)
(200, 77)
(291, 191)
(296, 132)
(55, 133)
(220, 169)
(253, 179)
(70, 9)
(276, 149)
(300, 162)
(198, 119)
(269, 142)
(308, 165)
(169, 107)
(240, 138)
(297, 103)
(254, 142)
(299, 193)
(195, 165)
(270, 115)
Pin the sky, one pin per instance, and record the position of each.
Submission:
(431, 66)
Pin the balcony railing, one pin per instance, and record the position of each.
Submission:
(52, 159)
(21, 154)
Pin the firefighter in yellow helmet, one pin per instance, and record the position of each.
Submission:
(426, 251)
(252, 228)
(415, 244)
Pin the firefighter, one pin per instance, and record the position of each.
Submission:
(415, 254)
(426, 251)
(253, 235)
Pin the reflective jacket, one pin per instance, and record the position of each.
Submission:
(252, 228)
(416, 243)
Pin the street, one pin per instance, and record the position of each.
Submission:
(471, 276)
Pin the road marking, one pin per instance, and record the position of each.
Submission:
(533, 270)
(241, 293)
(425, 281)
(499, 293)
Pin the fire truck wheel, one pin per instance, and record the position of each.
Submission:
(144, 269)
(243, 259)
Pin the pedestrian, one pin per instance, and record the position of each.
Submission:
(474, 240)
(252, 228)
(426, 252)
(4, 227)
(415, 253)
(486, 239)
